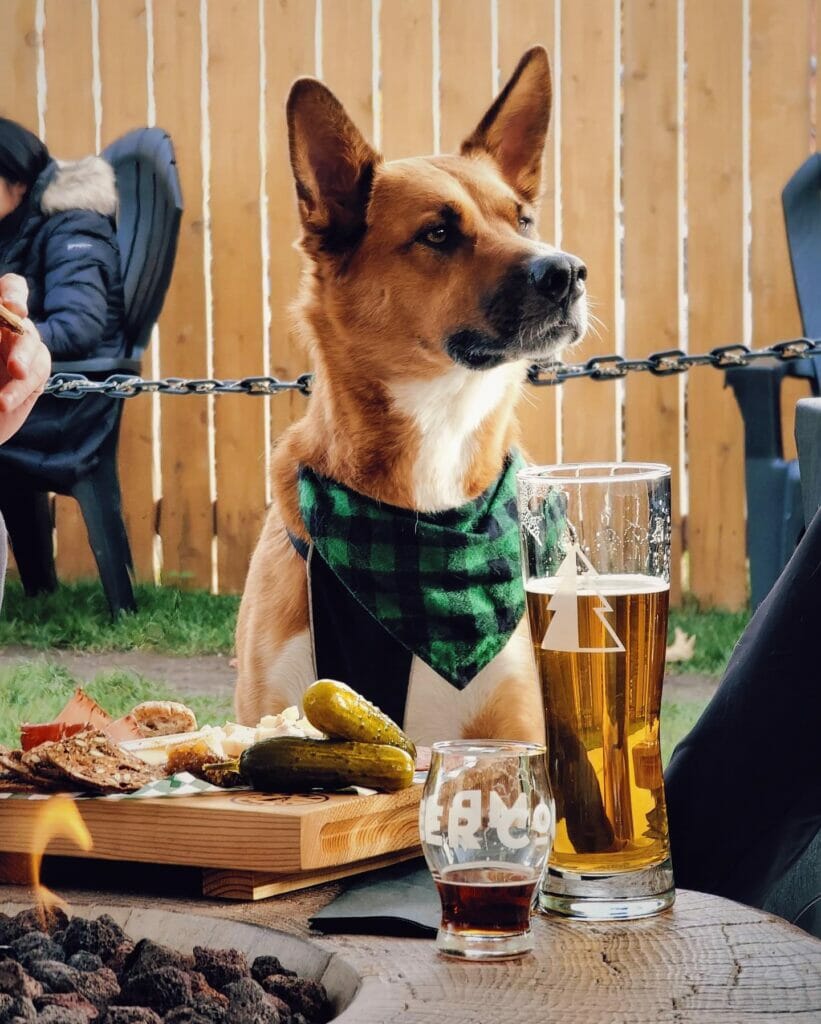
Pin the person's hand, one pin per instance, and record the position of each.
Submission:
(25, 362)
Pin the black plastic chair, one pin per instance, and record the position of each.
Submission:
(148, 224)
(774, 512)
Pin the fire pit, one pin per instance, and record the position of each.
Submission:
(184, 931)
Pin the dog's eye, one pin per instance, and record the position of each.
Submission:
(435, 236)
(525, 223)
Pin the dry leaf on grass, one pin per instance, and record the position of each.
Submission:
(682, 648)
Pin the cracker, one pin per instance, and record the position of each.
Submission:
(92, 761)
(10, 321)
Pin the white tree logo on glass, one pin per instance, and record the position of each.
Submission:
(563, 632)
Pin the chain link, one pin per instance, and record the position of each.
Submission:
(670, 362)
(611, 367)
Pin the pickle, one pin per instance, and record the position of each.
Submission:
(287, 764)
(342, 713)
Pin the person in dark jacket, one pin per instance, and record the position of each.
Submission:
(24, 369)
(57, 231)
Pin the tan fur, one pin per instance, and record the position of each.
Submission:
(513, 711)
(373, 312)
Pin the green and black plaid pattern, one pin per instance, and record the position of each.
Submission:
(447, 586)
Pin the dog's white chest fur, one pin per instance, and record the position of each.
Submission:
(436, 710)
(447, 411)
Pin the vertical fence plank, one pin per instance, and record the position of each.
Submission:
(70, 127)
(124, 107)
(407, 78)
(347, 50)
(236, 275)
(651, 238)
(289, 54)
(466, 68)
(186, 521)
(715, 63)
(522, 24)
(779, 142)
(815, 94)
(18, 68)
(782, 106)
(70, 134)
(588, 155)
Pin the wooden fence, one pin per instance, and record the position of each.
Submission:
(676, 123)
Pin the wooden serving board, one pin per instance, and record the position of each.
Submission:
(251, 844)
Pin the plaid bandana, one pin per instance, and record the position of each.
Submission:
(447, 586)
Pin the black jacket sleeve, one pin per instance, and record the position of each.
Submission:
(78, 263)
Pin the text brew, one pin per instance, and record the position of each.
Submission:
(602, 703)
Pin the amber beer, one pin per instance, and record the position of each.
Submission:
(486, 899)
(602, 704)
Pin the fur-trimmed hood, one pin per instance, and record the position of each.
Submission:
(86, 184)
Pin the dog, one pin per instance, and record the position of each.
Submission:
(425, 296)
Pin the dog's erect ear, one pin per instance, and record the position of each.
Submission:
(514, 129)
(333, 166)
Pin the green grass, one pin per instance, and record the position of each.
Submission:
(76, 616)
(676, 721)
(716, 631)
(35, 691)
(196, 622)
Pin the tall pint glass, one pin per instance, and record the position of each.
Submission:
(596, 564)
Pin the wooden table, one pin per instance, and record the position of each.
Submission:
(707, 960)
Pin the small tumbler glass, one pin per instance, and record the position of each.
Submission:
(486, 821)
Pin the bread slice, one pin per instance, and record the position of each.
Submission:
(163, 718)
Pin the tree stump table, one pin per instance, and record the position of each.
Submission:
(707, 960)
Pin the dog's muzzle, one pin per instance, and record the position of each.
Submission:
(538, 308)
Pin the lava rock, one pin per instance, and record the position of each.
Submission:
(200, 987)
(15, 982)
(264, 966)
(67, 1002)
(221, 966)
(17, 1010)
(148, 956)
(303, 996)
(8, 930)
(54, 975)
(84, 961)
(189, 1015)
(99, 987)
(61, 1015)
(282, 1008)
(215, 1011)
(119, 932)
(35, 946)
(92, 936)
(184, 1015)
(247, 1004)
(162, 989)
(130, 1015)
(45, 919)
(118, 961)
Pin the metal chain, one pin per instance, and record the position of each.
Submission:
(612, 367)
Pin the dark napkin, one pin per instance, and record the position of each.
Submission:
(400, 900)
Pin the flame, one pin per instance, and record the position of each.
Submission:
(59, 817)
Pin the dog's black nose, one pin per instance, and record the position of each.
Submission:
(558, 277)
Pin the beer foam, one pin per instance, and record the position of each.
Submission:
(604, 585)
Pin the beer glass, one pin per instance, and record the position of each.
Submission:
(486, 823)
(596, 565)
